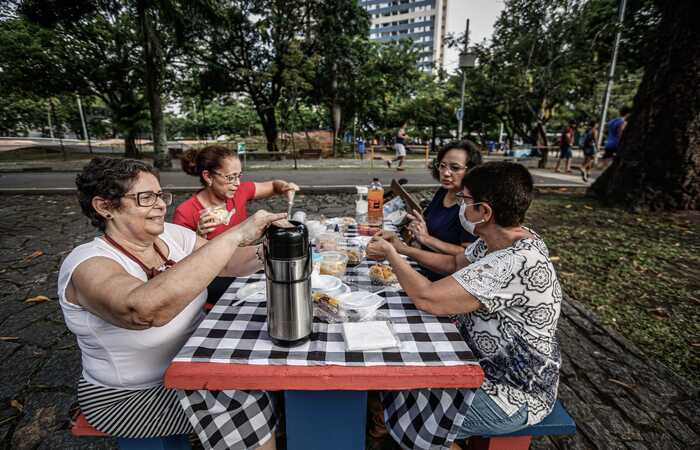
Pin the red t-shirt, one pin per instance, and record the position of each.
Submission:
(187, 213)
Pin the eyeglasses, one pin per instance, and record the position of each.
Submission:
(149, 198)
(461, 198)
(229, 178)
(452, 167)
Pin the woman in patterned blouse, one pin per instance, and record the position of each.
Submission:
(504, 296)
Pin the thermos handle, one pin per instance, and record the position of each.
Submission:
(310, 257)
(265, 262)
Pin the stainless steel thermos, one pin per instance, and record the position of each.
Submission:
(288, 269)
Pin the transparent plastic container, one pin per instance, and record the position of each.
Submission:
(334, 263)
(327, 242)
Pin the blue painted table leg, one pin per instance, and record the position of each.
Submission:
(178, 442)
(321, 420)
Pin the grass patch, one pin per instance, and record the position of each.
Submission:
(640, 273)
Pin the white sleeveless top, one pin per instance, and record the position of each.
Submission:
(121, 358)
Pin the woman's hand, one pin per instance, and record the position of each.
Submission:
(418, 227)
(379, 248)
(289, 189)
(253, 228)
(393, 239)
(207, 223)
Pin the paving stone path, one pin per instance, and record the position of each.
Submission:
(618, 398)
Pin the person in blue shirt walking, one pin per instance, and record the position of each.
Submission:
(615, 129)
(361, 147)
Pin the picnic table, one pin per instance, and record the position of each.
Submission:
(325, 386)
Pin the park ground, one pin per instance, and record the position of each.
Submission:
(629, 326)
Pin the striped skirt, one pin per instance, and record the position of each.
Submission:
(221, 419)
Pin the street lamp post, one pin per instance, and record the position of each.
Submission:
(467, 60)
(82, 121)
(611, 74)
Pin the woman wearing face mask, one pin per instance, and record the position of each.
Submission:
(504, 297)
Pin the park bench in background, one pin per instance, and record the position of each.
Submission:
(310, 153)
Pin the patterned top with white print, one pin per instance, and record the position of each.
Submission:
(513, 332)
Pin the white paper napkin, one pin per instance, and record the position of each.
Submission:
(368, 336)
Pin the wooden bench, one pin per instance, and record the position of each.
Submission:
(312, 153)
(81, 428)
(557, 423)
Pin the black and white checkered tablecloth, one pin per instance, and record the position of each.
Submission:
(235, 332)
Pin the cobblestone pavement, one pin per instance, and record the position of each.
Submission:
(618, 398)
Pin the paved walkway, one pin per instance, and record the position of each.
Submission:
(336, 174)
(618, 398)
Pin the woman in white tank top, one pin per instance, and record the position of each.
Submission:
(134, 295)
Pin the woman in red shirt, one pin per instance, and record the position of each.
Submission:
(219, 171)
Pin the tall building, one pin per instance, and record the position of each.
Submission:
(423, 21)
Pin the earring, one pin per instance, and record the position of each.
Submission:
(108, 216)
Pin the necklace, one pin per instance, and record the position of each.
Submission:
(150, 272)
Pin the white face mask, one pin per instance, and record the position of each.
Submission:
(470, 227)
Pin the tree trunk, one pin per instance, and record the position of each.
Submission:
(269, 123)
(658, 165)
(335, 117)
(130, 148)
(540, 141)
(153, 56)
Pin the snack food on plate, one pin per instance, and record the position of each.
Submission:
(326, 303)
(382, 274)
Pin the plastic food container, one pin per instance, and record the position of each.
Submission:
(360, 305)
(327, 242)
(354, 250)
(333, 263)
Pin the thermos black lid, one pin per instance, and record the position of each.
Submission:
(287, 243)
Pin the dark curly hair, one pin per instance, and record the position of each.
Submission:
(507, 187)
(209, 158)
(109, 178)
(470, 149)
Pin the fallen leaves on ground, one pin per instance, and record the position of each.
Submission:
(37, 299)
(659, 312)
(36, 254)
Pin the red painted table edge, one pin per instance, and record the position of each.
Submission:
(220, 376)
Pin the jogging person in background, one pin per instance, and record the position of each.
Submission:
(565, 143)
(400, 147)
(615, 129)
(588, 145)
